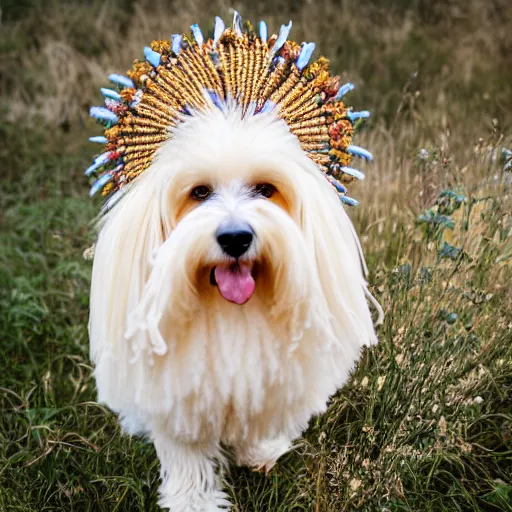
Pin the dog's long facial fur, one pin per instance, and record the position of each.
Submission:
(172, 354)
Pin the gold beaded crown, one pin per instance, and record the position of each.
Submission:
(260, 73)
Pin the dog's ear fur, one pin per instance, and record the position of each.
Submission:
(130, 287)
(130, 235)
(339, 260)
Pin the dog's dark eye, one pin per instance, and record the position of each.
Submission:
(265, 190)
(201, 193)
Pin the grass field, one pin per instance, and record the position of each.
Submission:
(425, 423)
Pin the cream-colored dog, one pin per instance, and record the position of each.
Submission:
(228, 300)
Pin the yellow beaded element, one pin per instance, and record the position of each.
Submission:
(236, 65)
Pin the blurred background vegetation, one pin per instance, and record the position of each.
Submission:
(425, 423)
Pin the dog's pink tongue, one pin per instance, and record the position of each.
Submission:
(235, 282)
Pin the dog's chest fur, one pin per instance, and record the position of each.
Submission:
(233, 376)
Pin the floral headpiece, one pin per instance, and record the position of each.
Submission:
(259, 72)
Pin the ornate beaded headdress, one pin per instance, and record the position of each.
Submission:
(259, 72)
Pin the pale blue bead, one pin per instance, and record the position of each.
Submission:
(282, 37)
(99, 161)
(100, 183)
(353, 172)
(103, 114)
(267, 107)
(120, 80)
(263, 31)
(91, 169)
(99, 139)
(305, 55)
(218, 30)
(360, 152)
(237, 24)
(349, 200)
(152, 57)
(358, 115)
(344, 89)
(176, 43)
(111, 94)
(198, 35)
(338, 186)
(103, 158)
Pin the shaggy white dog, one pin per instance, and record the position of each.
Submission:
(228, 300)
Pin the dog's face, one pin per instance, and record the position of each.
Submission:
(241, 218)
(238, 226)
(230, 207)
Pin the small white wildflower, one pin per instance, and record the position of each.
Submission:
(380, 382)
(442, 426)
(423, 154)
(435, 408)
(88, 254)
(478, 400)
(364, 382)
(355, 483)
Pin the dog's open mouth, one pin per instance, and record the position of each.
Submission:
(235, 281)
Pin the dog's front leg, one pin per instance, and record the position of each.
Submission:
(262, 455)
(189, 476)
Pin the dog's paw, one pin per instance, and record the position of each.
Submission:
(264, 455)
(133, 426)
(214, 502)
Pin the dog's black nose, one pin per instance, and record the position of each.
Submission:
(235, 239)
